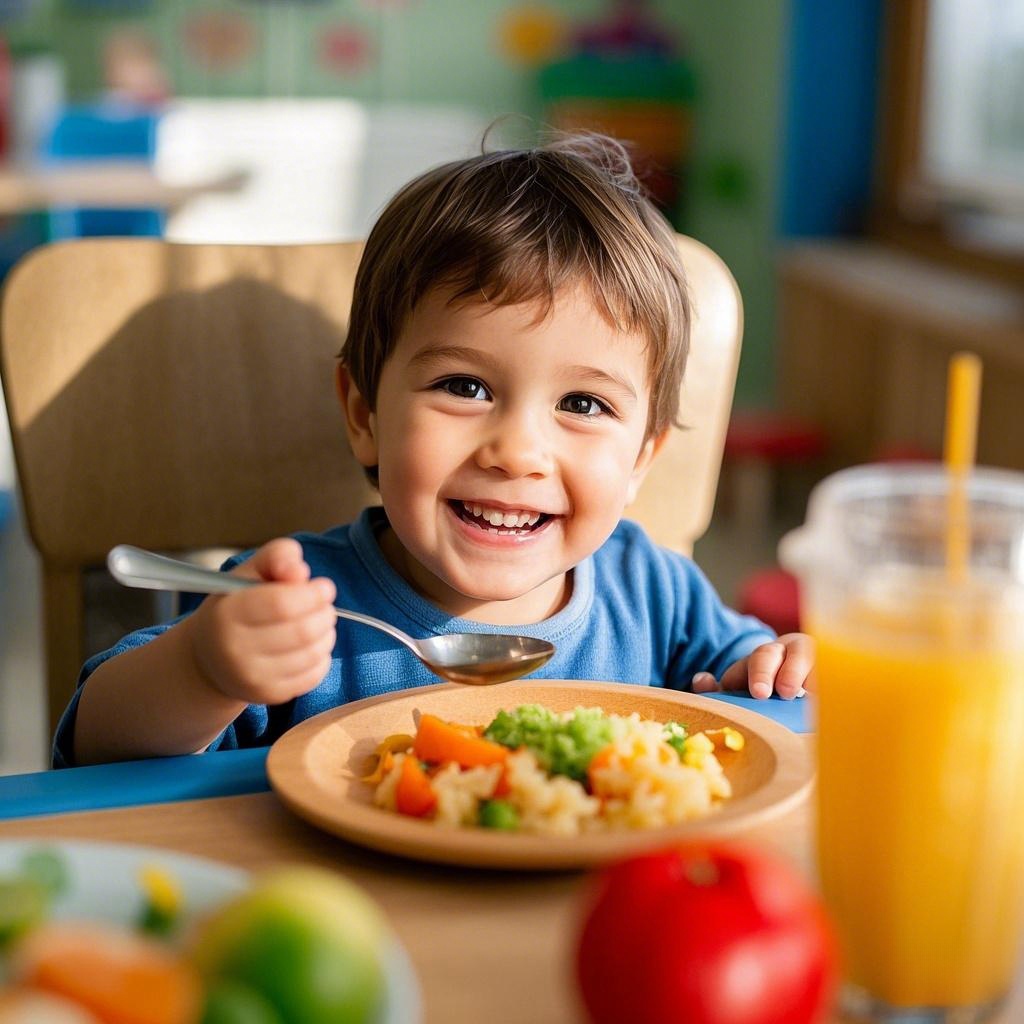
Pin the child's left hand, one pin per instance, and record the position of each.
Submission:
(782, 665)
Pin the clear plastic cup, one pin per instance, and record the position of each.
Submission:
(919, 707)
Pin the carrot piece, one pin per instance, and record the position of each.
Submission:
(414, 795)
(443, 742)
(121, 977)
(600, 760)
(503, 786)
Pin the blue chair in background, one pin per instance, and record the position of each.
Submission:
(105, 131)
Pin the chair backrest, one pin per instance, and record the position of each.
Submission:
(181, 397)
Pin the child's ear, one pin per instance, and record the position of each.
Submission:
(359, 419)
(650, 449)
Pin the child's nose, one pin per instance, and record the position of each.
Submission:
(518, 445)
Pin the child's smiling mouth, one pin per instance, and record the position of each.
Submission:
(499, 521)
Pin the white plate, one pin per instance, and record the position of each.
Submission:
(103, 885)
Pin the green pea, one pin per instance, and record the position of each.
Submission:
(499, 814)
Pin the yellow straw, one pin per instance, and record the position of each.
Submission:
(963, 390)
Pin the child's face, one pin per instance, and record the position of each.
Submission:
(484, 412)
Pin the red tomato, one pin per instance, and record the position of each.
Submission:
(705, 934)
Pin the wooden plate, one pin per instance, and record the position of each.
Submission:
(315, 770)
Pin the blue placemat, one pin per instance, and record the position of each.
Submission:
(157, 780)
(794, 714)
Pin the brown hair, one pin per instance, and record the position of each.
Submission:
(513, 226)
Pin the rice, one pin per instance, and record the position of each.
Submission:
(638, 781)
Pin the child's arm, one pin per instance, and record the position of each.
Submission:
(784, 665)
(177, 693)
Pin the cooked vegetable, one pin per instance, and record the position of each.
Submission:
(561, 747)
(675, 736)
(414, 795)
(499, 814)
(382, 759)
(25, 897)
(162, 910)
(729, 738)
(121, 977)
(441, 742)
(23, 905)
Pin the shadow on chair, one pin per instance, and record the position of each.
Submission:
(181, 397)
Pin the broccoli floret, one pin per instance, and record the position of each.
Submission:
(675, 736)
(561, 747)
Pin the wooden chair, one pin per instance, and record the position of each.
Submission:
(181, 397)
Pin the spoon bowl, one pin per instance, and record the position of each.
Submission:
(475, 659)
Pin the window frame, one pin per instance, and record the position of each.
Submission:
(906, 212)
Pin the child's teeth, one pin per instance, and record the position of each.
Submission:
(503, 520)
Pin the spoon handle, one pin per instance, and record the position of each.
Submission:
(135, 567)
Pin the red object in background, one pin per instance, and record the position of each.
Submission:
(6, 75)
(772, 436)
(756, 443)
(906, 451)
(773, 596)
(705, 933)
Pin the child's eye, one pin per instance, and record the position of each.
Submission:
(463, 387)
(583, 405)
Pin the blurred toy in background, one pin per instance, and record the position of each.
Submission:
(132, 69)
(532, 34)
(626, 76)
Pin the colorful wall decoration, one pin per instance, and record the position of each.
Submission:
(219, 40)
(482, 54)
(345, 49)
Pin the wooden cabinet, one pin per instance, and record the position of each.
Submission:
(865, 335)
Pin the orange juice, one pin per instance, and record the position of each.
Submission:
(920, 721)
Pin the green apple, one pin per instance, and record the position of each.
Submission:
(229, 1002)
(306, 940)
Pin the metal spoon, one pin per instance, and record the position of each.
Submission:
(478, 659)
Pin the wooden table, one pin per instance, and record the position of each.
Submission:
(128, 184)
(487, 946)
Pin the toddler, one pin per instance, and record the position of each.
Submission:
(517, 342)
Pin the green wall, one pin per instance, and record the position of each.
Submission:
(738, 46)
(439, 51)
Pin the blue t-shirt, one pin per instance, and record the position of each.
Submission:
(638, 613)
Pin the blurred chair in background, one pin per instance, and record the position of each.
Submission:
(773, 593)
(760, 445)
(181, 397)
(106, 131)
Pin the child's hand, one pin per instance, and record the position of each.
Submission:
(783, 665)
(266, 645)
